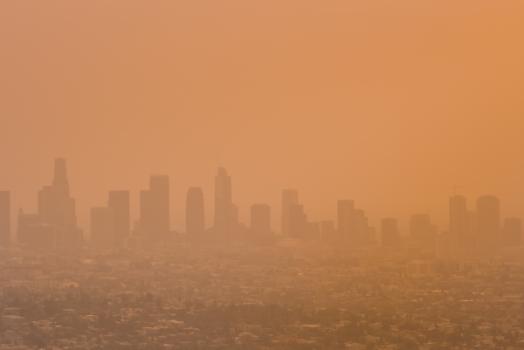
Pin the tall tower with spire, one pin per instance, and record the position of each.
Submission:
(57, 209)
(224, 208)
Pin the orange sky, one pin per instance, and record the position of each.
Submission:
(390, 103)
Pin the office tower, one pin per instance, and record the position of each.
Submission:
(298, 223)
(361, 230)
(261, 219)
(119, 205)
(289, 200)
(353, 225)
(102, 228)
(224, 209)
(460, 228)
(195, 213)
(154, 222)
(57, 208)
(488, 224)
(422, 231)
(5, 218)
(390, 233)
(512, 232)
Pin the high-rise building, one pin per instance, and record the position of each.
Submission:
(154, 222)
(390, 232)
(488, 224)
(195, 213)
(298, 222)
(57, 209)
(289, 200)
(102, 228)
(512, 232)
(5, 218)
(261, 219)
(361, 231)
(224, 208)
(119, 205)
(353, 225)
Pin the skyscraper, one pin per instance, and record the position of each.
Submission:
(488, 224)
(154, 222)
(5, 218)
(298, 222)
(224, 210)
(261, 219)
(195, 212)
(57, 208)
(289, 200)
(361, 231)
(119, 205)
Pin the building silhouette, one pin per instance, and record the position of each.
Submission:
(56, 212)
(298, 222)
(5, 218)
(110, 225)
(195, 212)
(289, 200)
(352, 224)
(154, 222)
(226, 213)
(119, 205)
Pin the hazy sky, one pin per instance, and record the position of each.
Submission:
(390, 103)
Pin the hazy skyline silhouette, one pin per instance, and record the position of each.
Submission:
(480, 229)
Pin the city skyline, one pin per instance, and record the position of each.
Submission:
(478, 226)
(438, 211)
